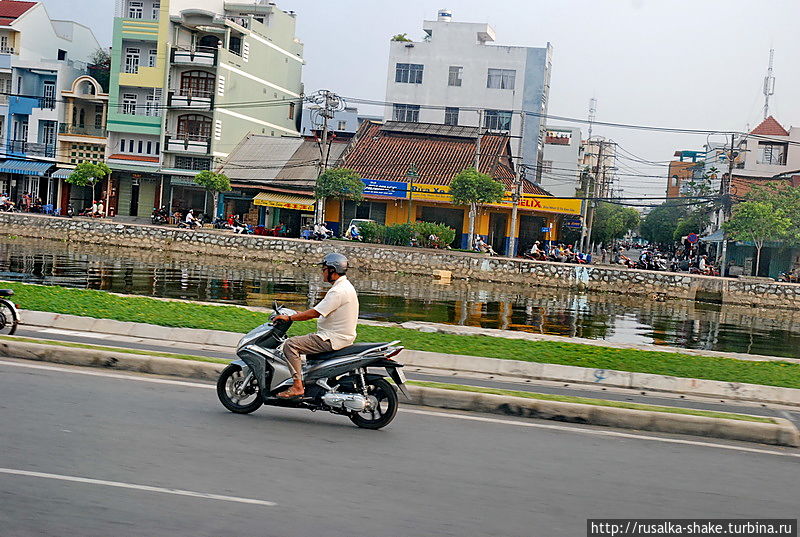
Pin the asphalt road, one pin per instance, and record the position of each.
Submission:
(429, 473)
(579, 390)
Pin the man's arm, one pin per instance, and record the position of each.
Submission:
(302, 316)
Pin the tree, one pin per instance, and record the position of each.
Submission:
(342, 184)
(613, 222)
(786, 200)
(214, 183)
(87, 174)
(473, 188)
(100, 67)
(659, 226)
(758, 222)
(400, 37)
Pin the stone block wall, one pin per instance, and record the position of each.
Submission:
(463, 265)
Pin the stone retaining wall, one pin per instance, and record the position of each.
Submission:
(463, 265)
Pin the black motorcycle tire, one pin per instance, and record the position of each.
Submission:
(381, 386)
(226, 401)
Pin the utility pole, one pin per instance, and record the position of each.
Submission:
(586, 181)
(330, 103)
(724, 193)
(412, 172)
(595, 189)
(516, 195)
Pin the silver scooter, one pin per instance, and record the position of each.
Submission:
(338, 381)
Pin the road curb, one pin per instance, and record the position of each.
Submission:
(517, 369)
(782, 432)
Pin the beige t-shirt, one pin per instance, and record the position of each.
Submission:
(339, 311)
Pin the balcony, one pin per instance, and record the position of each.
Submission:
(81, 130)
(29, 149)
(191, 99)
(201, 56)
(188, 143)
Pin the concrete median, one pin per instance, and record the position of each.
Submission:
(780, 432)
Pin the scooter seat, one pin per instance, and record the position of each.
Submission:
(352, 349)
(6, 292)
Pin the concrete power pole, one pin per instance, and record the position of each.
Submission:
(724, 193)
(595, 190)
(330, 103)
(516, 195)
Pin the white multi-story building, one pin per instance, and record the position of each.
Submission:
(39, 58)
(456, 76)
(561, 171)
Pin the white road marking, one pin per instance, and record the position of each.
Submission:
(450, 415)
(58, 331)
(147, 488)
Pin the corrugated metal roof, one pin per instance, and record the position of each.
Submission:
(302, 168)
(259, 158)
(434, 129)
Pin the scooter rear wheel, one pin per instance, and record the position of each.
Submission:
(228, 383)
(384, 401)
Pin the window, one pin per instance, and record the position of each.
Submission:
(48, 132)
(121, 144)
(129, 103)
(291, 110)
(141, 143)
(49, 92)
(98, 116)
(62, 54)
(19, 85)
(547, 166)
(406, 112)
(409, 73)
(158, 148)
(497, 120)
(151, 57)
(197, 84)
(451, 116)
(235, 45)
(130, 146)
(135, 9)
(149, 147)
(192, 163)
(132, 59)
(342, 126)
(194, 127)
(772, 153)
(454, 76)
(4, 48)
(501, 79)
(151, 106)
(156, 9)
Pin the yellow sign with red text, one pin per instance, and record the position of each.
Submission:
(544, 204)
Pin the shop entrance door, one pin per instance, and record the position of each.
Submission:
(497, 232)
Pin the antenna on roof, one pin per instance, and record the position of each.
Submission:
(592, 112)
(769, 84)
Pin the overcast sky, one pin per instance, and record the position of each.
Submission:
(674, 63)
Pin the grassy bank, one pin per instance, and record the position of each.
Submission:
(103, 305)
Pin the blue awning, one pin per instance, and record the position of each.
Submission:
(25, 167)
(62, 173)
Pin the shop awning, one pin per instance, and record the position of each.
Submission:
(717, 236)
(25, 167)
(284, 201)
(62, 173)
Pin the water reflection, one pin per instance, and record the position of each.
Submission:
(404, 298)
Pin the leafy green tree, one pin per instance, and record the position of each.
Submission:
(400, 37)
(214, 183)
(88, 174)
(659, 226)
(786, 200)
(758, 222)
(694, 222)
(100, 67)
(342, 184)
(613, 222)
(472, 188)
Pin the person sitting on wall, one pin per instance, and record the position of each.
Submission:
(100, 210)
(5, 203)
(191, 221)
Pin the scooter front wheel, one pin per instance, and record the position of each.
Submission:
(234, 395)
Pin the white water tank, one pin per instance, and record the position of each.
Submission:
(445, 15)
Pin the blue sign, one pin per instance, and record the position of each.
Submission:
(573, 223)
(692, 238)
(390, 189)
(545, 230)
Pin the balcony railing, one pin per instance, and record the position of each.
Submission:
(205, 56)
(193, 99)
(22, 147)
(86, 130)
(188, 143)
(8, 50)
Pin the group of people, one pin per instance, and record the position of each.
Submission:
(27, 203)
(559, 253)
(96, 210)
(317, 232)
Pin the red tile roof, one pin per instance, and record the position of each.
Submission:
(137, 158)
(770, 127)
(11, 9)
(379, 154)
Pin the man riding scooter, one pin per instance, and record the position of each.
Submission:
(336, 328)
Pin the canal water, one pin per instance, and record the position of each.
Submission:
(399, 298)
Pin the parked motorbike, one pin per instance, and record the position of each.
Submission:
(159, 217)
(338, 381)
(70, 210)
(9, 314)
